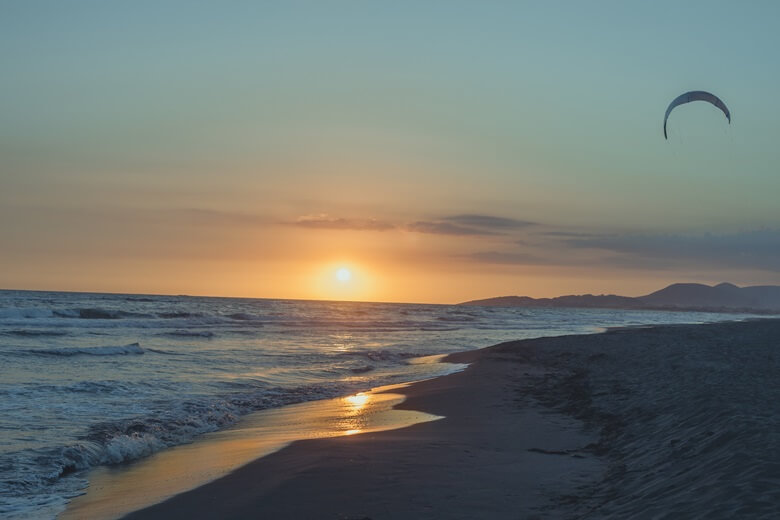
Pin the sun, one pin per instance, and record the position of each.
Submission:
(343, 280)
(343, 275)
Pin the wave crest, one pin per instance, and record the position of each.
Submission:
(123, 350)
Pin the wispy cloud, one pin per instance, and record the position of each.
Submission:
(456, 225)
(468, 225)
(747, 250)
(324, 221)
(445, 228)
(506, 258)
(489, 222)
(751, 250)
(570, 234)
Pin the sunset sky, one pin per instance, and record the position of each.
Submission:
(439, 151)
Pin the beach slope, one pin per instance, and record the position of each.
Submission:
(661, 421)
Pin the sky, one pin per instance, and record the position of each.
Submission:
(438, 151)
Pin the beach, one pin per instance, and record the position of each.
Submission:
(652, 422)
(106, 386)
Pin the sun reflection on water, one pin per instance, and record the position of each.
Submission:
(358, 401)
(353, 421)
(215, 454)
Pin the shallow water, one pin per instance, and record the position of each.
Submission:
(114, 492)
(89, 380)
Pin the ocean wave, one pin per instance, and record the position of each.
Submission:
(459, 318)
(383, 355)
(16, 313)
(243, 316)
(38, 391)
(100, 387)
(34, 333)
(164, 352)
(364, 326)
(188, 334)
(116, 442)
(98, 314)
(177, 315)
(123, 350)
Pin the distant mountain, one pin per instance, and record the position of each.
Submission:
(763, 297)
(724, 297)
(584, 300)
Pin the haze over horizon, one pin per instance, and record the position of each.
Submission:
(436, 153)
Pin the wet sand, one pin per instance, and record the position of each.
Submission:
(117, 490)
(659, 422)
(492, 456)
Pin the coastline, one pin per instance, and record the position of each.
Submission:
(548, 427)
(115, 491)
(498, 457)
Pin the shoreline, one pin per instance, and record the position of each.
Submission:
(524, 434)
(115, 491)
(363, 475)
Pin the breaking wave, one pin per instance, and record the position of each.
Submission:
(121, 441)
(384, 355)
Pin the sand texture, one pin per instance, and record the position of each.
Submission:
(660, 422)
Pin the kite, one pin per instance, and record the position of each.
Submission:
(696, 95)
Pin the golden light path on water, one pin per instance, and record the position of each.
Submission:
(116, 491)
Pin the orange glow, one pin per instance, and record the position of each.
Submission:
(301, 263)
(342, 280)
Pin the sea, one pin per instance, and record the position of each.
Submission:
(90, 380)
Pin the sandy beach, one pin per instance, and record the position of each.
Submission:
(487, 457)
(657, 422)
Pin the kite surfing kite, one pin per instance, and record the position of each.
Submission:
(696, 95)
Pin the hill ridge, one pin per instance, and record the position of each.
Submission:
(723, 297)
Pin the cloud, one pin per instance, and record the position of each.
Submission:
(468, 225)
(445, 228)
(324, 221)
(744, 250)
(506, 258)
(489, 222)
(750, 250)
(569, 234)
(456, 225)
